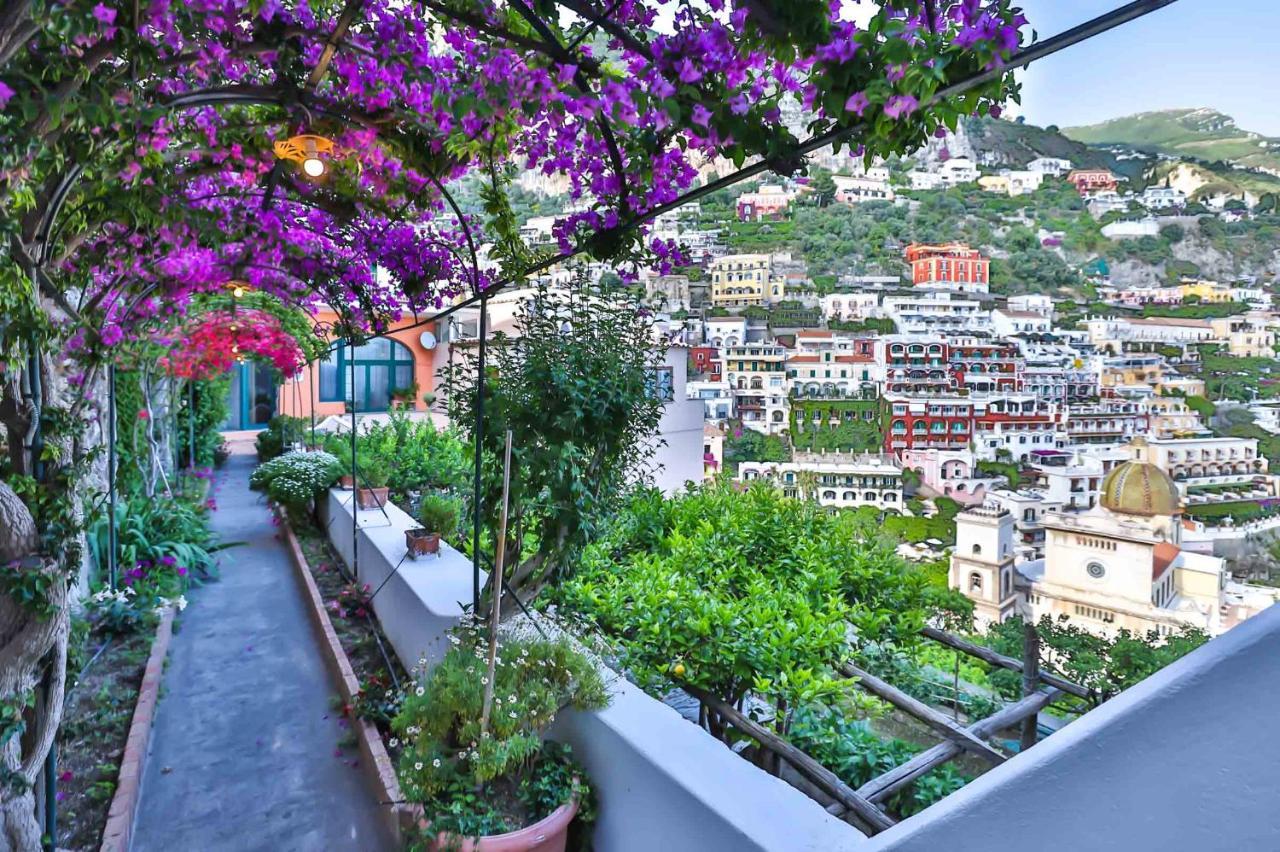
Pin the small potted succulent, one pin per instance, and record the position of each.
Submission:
(372, 474)
(474, 754)
(439, 516)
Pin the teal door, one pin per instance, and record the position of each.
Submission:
(252, 398)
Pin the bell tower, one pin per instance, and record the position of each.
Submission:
(982, 563)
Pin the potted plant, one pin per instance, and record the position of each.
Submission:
(438, 515)
(340, 448)
(474, 754)
(372, 474)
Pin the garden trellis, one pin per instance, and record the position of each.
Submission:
(138, 172)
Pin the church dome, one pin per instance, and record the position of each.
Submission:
(1139, 488)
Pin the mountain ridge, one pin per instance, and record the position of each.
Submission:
(1197, 133)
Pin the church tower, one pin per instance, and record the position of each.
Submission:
(982, 563)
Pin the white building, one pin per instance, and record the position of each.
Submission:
(716, 397)
(1055, 166)
(1006, 322)
(1037, 303)
(1202, 460)
(1023, 182)
(1107, 201)
(846, 307)
(678, 452)
(837, 480)
(1125, 229)
(925, 180)
(721, 332)
(957, 171)
(931, 313)
(851, 189)
(1163, 197)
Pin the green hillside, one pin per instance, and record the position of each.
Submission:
(1020, 143)
(1202, 134)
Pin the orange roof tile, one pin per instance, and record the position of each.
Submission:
(1161, 558)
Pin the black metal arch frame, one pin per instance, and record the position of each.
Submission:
(548, 43)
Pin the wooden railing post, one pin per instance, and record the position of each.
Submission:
(1030, 680)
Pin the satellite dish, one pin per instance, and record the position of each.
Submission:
(428, 340)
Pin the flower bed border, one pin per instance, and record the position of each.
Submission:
(117, 834)
(378, 768)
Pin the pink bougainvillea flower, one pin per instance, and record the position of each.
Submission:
(143, 414)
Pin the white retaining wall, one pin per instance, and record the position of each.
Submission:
(663, 783)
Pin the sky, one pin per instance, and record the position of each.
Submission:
(1194, 53)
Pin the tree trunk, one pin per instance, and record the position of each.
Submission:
(18, 537)
(32, 648)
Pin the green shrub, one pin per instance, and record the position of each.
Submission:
(281, 433)
(743, 591)
(851, 750)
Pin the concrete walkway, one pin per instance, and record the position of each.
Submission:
(243, 750)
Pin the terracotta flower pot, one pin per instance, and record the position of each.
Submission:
(419, 542)
(371, 498)
(546, 835)
(346, 482)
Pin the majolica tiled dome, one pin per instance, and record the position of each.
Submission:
(1139, 488)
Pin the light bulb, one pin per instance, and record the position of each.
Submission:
(238, 292)
(313, 167)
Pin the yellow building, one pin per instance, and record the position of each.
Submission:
(742, 280)
(1250, 335)
(1209, 292)
(1171, 416)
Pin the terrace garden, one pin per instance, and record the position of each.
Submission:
(188, 188)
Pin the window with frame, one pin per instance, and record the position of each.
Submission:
(662, 383)
(381, 368)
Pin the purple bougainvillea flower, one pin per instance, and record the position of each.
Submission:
(857, 102)
(900, 105)
(104, 14)
(995, 111)
(5, 94)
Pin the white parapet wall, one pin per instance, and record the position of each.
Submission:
(1185, 760)
(662, 782)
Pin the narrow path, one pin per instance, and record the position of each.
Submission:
(242, 754)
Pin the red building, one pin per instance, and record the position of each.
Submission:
(706, 360)
(945, 422)
(1092, 180)
(912, 366)
(950, 265)
(987, 366)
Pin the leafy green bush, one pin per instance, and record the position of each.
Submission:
(851, 750)
(282, 432)
(462, 773)
(743, 591)
(417, 456)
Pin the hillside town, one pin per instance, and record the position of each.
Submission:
(1080, 462)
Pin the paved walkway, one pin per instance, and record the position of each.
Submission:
(243, 749)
